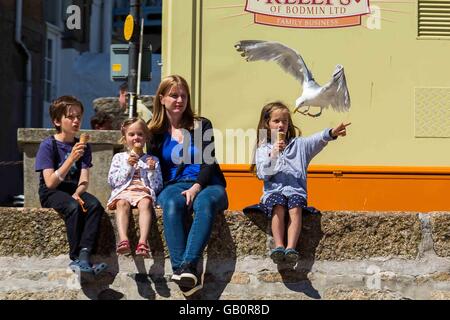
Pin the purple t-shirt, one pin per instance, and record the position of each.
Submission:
(45, 157)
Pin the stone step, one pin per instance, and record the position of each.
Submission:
(249, 278)
(327, 236)
(134, 287)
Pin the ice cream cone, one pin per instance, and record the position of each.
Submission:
(138, 148)
(280, 135)
(84, 138)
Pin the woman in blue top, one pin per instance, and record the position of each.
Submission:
(192, 178)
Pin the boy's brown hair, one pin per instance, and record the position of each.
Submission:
(60, 107)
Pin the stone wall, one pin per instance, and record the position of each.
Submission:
(111, 106)
(344, 255)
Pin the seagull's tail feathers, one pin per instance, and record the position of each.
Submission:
(336, 91)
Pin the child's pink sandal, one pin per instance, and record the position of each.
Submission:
(123, 247)
(143, 250)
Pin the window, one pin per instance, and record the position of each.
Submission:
(433, 19)
(52, 12)
(48, 62)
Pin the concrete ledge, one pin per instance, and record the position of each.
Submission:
(344, 255)
(332, 236)
(36, 135)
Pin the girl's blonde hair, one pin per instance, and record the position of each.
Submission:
(128, 122)
(160, 122)
(263, 133)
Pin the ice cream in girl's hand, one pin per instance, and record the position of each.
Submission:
(138, 148)
(84, 138)
(280, 135)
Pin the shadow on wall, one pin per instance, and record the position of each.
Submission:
(97, 287)
(157, 270)
(220, 260)
(222, 249)
(220, 265)
(295, 276)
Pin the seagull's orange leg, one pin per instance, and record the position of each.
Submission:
(305, 112)
(315, 115)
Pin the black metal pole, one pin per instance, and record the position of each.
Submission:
(133, 56)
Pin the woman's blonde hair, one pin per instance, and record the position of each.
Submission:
(160, 122)
(263, 134)
(128, 122)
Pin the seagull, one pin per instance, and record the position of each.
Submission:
(334, 93)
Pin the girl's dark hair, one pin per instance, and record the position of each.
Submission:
(263, 134)
(60, 107)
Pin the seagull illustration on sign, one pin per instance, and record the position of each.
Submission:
(334, 93)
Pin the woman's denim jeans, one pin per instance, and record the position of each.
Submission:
(186, 246)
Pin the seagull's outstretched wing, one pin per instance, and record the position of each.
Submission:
(287, 58)
(336, 91)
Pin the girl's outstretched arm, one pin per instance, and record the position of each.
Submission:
(315, 143)
(340, 130)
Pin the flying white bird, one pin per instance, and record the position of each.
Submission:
(334, 93)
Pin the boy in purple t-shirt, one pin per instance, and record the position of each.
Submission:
(63, 163)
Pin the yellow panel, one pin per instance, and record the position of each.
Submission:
(116, 67)
(383, 67)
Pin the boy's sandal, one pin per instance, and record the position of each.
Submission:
(80, 266)
(277, 255)
(98, 268)
(123, 247)
(75, 265)
(143, 250)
